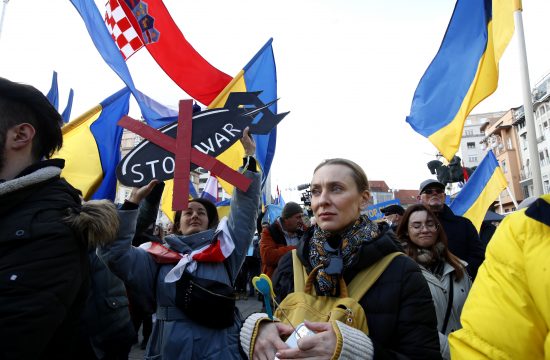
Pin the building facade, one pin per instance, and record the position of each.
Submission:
(471, 151)
(501, 137)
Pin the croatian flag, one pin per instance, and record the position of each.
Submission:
(217, 251)
(210, 191)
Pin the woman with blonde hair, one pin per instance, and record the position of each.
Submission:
(398, 306)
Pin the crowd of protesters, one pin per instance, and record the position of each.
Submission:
(78, 279)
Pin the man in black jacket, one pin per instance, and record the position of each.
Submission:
(43, 260)
(462, 235)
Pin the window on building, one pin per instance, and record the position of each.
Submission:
(523, 140)
(546, 186)
(471, 145)
(472, 159)
(469, 132)
(503, 166)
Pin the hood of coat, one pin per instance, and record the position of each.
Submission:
(96, 220)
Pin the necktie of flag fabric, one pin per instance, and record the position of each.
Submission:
(464, 71)
(210, 191)
(91, 147)
(66, 115)
(260, 74)
(138, 23)
(53, 94)
(109, 51)
(483, 187)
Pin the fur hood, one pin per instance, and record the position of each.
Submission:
(97, 221)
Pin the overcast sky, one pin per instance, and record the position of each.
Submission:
(347, 70)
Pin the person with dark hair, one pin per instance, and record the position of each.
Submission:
(426, 243)
(44, 232)
(392, 215)
(398, 306)
(461, 234)
(281, 237)
(190, 277)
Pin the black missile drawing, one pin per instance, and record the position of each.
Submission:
(214, 131)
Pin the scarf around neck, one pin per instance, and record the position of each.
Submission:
(350, 241)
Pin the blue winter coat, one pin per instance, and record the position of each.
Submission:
(174, 335)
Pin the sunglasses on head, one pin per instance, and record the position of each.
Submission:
(433, 191)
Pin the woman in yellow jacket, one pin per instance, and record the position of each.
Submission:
(507, 314)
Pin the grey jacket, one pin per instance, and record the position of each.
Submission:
(174, 335)
(440, 295)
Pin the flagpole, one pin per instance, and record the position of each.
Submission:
(528, 104)
(512, 197)
(2, 17)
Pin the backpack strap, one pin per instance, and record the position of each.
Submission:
(363, 281)
(300, 273)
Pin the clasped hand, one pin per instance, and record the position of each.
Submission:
(269, 344)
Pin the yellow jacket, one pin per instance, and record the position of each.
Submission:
(507, 313)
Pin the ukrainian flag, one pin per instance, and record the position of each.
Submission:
(482, 188)
(464, 71)
(260, 74)
(223, 208)
(91, 147)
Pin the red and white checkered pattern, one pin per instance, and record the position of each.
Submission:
(121, 29)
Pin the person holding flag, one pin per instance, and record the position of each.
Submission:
(189, 279)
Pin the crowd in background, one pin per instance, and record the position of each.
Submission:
(78, 279)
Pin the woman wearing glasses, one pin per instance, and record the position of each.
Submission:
(425, 241)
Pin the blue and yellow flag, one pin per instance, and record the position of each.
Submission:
(53, 94)
(464, 71)
(91, 147)
(483, 187)
(260, 74)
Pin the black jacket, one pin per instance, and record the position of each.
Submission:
(106, 317)
(463, 239)
(399, 307)
(43, 266)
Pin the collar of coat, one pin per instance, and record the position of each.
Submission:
(369, 253)
(540, 210)
(45, 170)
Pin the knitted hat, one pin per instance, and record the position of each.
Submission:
(291, 208)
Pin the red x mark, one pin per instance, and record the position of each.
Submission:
(184, 154)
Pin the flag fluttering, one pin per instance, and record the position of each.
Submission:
(260, 74)
(66, 115)
(109, 51)
(157, 31)
(464, 71)
(53, 94)
(91, 147)
(210, 191)
(481, 190)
